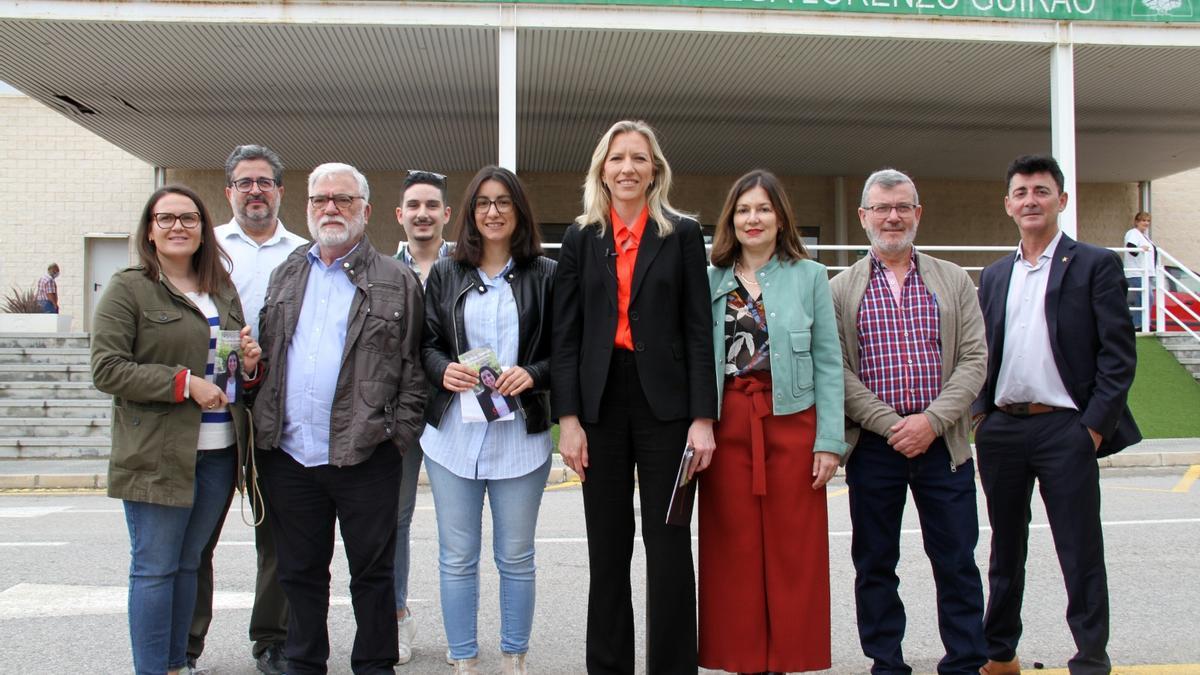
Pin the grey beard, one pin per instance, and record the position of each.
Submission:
(254, 224)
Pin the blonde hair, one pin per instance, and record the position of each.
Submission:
(596, 198)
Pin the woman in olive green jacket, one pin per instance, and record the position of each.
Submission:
(764, 550)
(176, 438)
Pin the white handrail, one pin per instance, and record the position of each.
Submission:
(1159, 278)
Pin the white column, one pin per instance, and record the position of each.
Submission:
(1062, 121)
(160, 177)
(507, 84)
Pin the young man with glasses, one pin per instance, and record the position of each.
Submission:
(257, 242)
(423, 213)
(914, 355)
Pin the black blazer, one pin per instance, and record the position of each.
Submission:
(446, 333)
(1091, 336)
(669, 317)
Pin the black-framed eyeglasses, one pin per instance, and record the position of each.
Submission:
(503, 204)
(189, 220)
(884, 210)
(342, 202)
(247, 184)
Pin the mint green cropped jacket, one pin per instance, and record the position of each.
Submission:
(806, 354)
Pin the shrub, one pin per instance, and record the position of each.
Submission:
(20, 301)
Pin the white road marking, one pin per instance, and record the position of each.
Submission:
(982, 528)
(30, 511)
(50, 600)
(15, 544)
(1046, 526)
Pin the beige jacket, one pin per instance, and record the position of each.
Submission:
(964, 354)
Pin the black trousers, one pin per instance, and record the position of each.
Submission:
(268, 617)
(627, 435)
(879, 479)
(1056, 449)
(305, 503)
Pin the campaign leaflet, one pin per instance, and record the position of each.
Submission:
(484, 403)
(228, 365)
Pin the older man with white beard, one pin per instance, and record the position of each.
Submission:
(914, 357)
(342, 397)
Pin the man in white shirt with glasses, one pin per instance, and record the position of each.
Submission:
(257, 242)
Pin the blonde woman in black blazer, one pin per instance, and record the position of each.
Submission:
(632, 384)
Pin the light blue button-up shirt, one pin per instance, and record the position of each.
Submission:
(314, 359)
(252, 263)
(492, 450)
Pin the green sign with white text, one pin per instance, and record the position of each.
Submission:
(1157, 11)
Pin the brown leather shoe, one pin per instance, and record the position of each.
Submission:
(1001, 667)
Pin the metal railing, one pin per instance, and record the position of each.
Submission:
(1173, 301)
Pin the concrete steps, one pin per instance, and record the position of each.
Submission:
(55, 448)
(62, 427)
(1186, 351)
(58, 391)
(49, 408)
(45, 355)
(45, 340)
(55, 409)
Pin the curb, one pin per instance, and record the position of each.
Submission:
(558, 473)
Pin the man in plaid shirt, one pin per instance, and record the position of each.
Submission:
(47, 290)
(914, 357)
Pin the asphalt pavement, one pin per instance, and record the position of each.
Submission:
(64, 560)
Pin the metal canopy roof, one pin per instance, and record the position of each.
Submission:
(181, 94)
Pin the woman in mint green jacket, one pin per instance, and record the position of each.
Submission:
(764, 549)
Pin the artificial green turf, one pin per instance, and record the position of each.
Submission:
(1165, 398)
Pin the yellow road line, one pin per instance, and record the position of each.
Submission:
(1130, 488)
(1169, 669)
(1185, 483)
(839, 493)
(564, 485)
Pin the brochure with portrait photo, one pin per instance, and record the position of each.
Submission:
(483, 403)
(228, 365)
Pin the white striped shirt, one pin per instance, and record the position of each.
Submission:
(216, 425)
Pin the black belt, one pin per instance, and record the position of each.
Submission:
(1029, 409)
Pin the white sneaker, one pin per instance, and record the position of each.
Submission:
(406, 630)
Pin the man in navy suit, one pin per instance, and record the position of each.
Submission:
(1061, 361)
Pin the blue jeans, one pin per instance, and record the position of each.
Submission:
(458, 503)
(165, 543)
(408, 502)
(879, 479)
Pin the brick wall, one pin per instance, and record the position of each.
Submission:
(59, 181)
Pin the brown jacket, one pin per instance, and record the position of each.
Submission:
(380, 386)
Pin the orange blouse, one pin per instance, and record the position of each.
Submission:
(627, 238)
